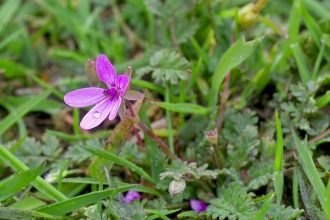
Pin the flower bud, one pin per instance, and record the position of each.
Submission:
(212, 136)
(176, 187)
(92, 76)
(249, 14)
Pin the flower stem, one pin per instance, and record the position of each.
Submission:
(169, 118)
(151, 134)
(38, 183)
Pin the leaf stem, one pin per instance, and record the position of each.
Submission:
(169, 118)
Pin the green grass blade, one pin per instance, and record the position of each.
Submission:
(13, 213)
(300, 58)
(318, 9)
(323, 100)
(279, 150)
(309, 195)
(235, 55)
(69, 205)
(295, 190)
(105, 182)
(10, 119)
(7, 10)
(39, 183)
(327, 201)
(278, 164)
(120, 161)
(316, 32)
(152, 148)
(183, 107)
(318, 62)
(21, 180)
(307, 163)
(261, 214)
(159, 214)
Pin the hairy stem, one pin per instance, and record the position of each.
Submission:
(151, 134)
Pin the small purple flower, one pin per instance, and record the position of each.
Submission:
(131, 195)
(108, 101)
(198, 206)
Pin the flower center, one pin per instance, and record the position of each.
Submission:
(111, 93)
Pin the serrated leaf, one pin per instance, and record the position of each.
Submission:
(234, 203)
(51, 145)
(260, 174)
(244, 150)
(167, 65)
(280, 212)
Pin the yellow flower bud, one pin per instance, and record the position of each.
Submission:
(249, 14)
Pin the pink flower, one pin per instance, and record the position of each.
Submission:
(131, 195)
(198, 206)
(108, 101)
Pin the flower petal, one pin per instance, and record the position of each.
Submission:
(198, 206)
(106, 71)
(131, 195)
(97, 114)
(114, 108)
(132, 95)
(84, 97)
(123, 82)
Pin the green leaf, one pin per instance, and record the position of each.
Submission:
(307, 163)
(323, 100)
(260, 174)
(234, 203)
(301, 62)
(7, 11)
(97, 181)
(14, 214)
(281, 212)
(261, 214)
(166, 66)
(327, 201)
(39, 183)
(69, 205)
(10, 119)
(309, 195)
(120, 161)
(244, 150)
(236, 54)
(156, 157)
(183, 107)
(279, 150)
(21, 180)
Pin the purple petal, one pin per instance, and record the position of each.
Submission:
(131, 195)
(84, 97)
(97, 114)
(198, 206)
(123, 82)
(106, 71)
(132, 95)
(114, 108)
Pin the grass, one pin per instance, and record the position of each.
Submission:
(250, 86)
